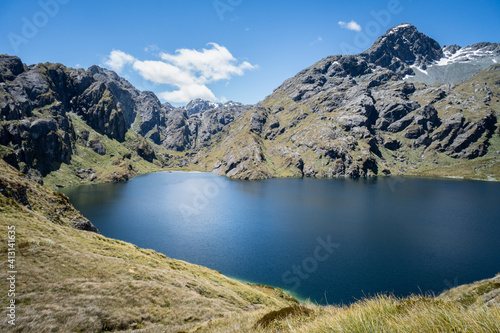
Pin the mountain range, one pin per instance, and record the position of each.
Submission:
(404, 106)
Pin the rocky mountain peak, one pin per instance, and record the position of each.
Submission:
(200, 105)
(403, 45)
(105, 75)
(10, 67)
(450, 49)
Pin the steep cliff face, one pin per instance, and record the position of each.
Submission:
(366, 114)
(192, 127)
(38, 105)
(404, 106)
(401, 47)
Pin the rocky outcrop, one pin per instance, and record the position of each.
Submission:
(10, 68)
(401, 47)
(182, 132)
(36, 103)
(23, 195)
(40, 145)
(200, 105)
(358, 115)
(396, 107)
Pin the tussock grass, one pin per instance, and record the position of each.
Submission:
(275, 317)
(76, 281)
(379, 314)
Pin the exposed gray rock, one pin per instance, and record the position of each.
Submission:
(258, 120)
(363, 99)
(199, 106)
(85, 225)
(343, 116)
(97, 147)
(402, 46)
(392, 110)
(10, 67)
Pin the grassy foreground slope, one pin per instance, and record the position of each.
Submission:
(379, 314)
(72, 280)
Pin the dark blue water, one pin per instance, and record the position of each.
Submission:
(331, 241)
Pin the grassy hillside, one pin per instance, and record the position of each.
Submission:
(282, 137)
(378, 314)
(116, 162)
(78, 281)
(72, 280)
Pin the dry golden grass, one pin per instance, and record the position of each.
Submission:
(77, 281)
(379, 314)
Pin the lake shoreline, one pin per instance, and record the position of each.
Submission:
(263, 230)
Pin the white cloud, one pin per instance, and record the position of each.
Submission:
(188, 70)
(350, 26)
(187, 93)
(163, 73)
(209, 65)
(151, 48)
(118, 59)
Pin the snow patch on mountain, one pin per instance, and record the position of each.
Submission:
(458, 64)
(463, 55)
(396, 28)
(420, 69)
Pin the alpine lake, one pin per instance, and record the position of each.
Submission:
(332, 241)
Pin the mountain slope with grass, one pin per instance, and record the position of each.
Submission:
(405, 106)
(69, 126)
(379, 314)
(73, 280)
(370, 114)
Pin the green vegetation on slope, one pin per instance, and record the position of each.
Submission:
(115, 162)
(72, 280)
(453, 132)
(78, 281)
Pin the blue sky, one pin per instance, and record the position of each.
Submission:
(232, 49)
